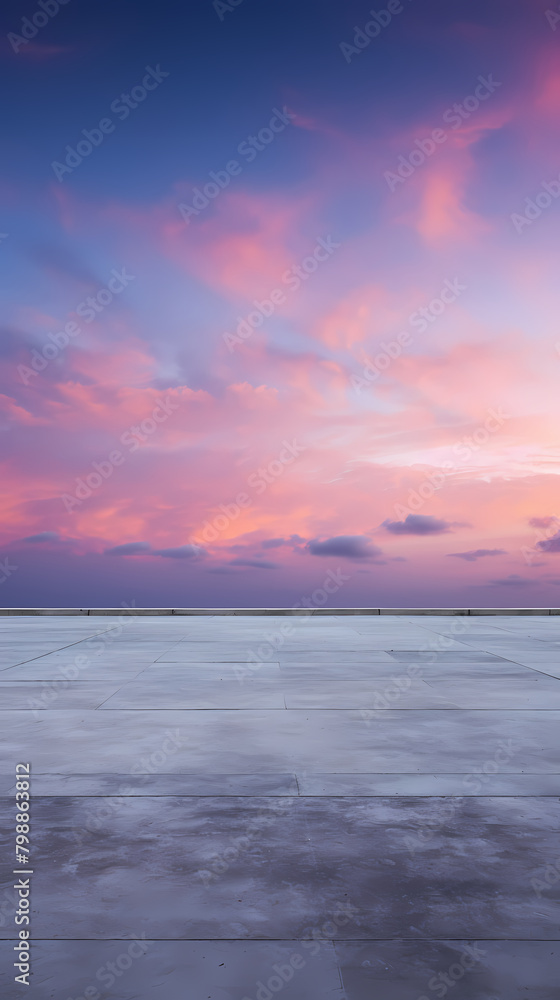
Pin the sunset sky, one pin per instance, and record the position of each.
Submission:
(322, 262)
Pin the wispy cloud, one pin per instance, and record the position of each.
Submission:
(253, 563)
(418, 524)
(42, 536)
(475, 554)
(346, 546)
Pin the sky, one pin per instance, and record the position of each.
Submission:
(279, 291)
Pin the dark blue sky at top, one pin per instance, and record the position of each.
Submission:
(226, 76)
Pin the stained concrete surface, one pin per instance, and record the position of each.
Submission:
(234, 807)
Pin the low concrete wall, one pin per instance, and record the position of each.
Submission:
(279, 611)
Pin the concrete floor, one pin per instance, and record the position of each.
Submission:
(327, 807)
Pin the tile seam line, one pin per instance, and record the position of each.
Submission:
(395, 940)
(123, 708)
(101, 631)
(326, 612)
(273, 774)
(305, 795)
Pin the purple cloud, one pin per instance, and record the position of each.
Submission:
(130, 549)
(180, 552)
(43, 536)
(513, 580)
(144, 548)
(274, 543)
(542, 522)
(346, 546)
(254, 563)
(418, 524)
(550, 544)
(477, 554)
